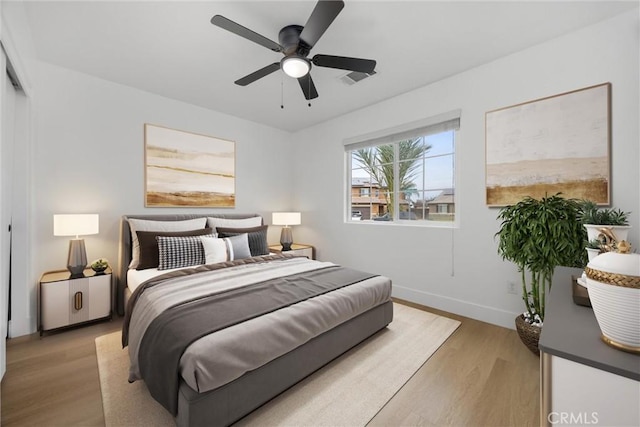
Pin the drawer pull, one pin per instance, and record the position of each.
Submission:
(77, 301)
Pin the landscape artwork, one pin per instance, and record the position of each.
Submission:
(187, 169)
(555, 144)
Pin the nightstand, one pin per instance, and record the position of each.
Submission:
(65, 301)
(306, 250)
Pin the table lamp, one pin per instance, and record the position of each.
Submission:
(76, 225)
(287, 219)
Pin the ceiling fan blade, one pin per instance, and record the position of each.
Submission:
(265, 71)
(322, 16)
(229, 25)
(307, 86)
(345, 63)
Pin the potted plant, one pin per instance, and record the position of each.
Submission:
(99, 265)
(594, 247)
(538, 235)
(608, 225)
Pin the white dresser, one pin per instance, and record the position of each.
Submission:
(583, 381)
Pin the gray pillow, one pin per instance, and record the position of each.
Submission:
(257, 237)
(238, 246)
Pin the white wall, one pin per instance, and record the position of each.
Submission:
(17, 43)
(458, 269)
(88, 157)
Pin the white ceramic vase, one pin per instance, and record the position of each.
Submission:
(592, 253)
(621, 232)
(613, 280)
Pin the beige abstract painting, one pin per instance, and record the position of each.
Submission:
(555, 144)
(188, 169)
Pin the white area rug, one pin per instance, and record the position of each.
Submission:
(347, 392)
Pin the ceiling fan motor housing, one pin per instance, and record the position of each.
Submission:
(289, 38)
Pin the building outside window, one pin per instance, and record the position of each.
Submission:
(407, 175)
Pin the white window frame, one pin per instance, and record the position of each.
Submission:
(429, 126)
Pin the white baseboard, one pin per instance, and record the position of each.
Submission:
(22, 326)
(483, 313)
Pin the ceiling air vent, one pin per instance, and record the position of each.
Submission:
(355, 77)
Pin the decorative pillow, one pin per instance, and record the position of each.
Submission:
(225, 249)
(149, 245)
(177, 252)
(257, 237)
(152, 225)
(238, 246)
(254, 221)
(215, 250)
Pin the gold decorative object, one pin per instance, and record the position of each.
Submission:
(624, 247)
(613, 278)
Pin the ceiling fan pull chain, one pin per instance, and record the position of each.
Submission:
(309, 80)
(282, 93)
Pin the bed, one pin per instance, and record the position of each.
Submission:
(278, 317)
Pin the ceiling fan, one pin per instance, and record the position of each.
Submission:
(295, 44)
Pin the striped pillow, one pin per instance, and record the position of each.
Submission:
(177, 252)
(225, 249)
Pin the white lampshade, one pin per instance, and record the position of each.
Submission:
(286, 218)
(75, 224)
(295, 66)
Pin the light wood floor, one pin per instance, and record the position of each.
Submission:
(482, 376)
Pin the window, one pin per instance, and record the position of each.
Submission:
(406, 174)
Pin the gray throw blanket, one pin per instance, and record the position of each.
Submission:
(186, 272)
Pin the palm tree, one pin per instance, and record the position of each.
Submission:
(378, 162)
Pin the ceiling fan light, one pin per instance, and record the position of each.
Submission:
(295, 66)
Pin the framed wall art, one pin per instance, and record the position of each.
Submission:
(556, 144)
(188, 169)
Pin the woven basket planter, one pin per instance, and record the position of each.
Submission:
(529, 334)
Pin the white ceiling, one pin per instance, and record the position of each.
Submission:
(171, 48)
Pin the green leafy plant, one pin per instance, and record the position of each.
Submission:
(100, 264)
(537, 236)
(594, 244)
(590, 213)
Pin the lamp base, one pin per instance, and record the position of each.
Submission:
(286, 238)
(77, 259)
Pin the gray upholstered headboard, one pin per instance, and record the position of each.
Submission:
(124, 252)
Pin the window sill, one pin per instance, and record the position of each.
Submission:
(401, 223)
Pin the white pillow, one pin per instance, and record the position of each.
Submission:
(254, 221)
(151, 225)
(215, 250)
(225, 249)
